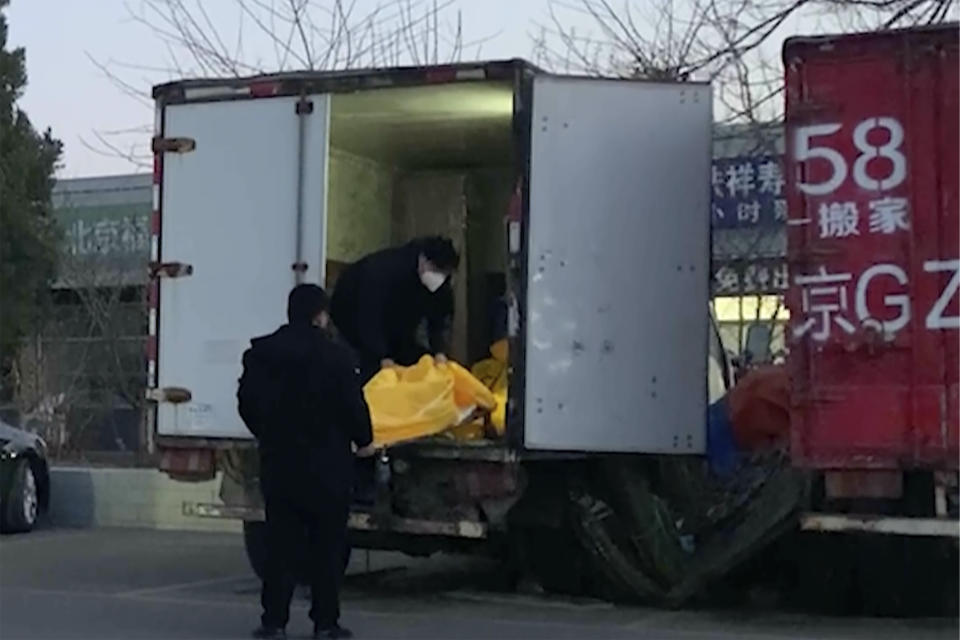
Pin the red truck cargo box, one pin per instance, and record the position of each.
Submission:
(873, 246)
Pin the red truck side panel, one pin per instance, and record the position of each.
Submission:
(874, 249)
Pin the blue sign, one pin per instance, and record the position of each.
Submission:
(748, 191)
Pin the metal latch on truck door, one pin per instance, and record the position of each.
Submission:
(172, 145)
(304, 107)
(170, 269)
(173, 395)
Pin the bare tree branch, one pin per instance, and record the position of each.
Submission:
(733, 44)
(106, 148)
(303, 34)
(296, 7)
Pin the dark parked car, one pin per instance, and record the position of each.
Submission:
(24, 479)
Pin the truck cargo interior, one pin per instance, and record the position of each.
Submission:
(428, 160)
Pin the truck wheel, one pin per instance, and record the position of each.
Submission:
(23, 504)
(255, 542)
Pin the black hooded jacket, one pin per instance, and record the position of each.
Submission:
(379, 303)
(301, 396)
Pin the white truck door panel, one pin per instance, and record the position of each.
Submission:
(229, 209)
(618, 266)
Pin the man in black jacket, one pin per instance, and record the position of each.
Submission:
(381, 301)
(301, 396)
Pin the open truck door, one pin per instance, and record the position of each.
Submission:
(618, 256)
(240, 220)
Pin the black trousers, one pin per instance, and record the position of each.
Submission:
(304, 539)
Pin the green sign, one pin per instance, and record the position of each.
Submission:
(108, 230)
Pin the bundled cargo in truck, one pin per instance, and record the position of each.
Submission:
(409, 403)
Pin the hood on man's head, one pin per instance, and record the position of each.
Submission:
(305, 303)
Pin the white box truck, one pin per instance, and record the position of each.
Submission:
(589, 197)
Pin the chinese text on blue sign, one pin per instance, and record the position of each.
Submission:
(748, 191)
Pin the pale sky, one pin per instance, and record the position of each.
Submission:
(69, 93)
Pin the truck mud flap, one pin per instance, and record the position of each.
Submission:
(240, 484)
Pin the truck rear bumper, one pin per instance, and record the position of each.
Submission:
(844, 523)
(358, 521)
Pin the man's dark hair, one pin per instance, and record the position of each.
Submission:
(305, 303)
(440, 251)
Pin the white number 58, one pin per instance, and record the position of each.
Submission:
(803, 151)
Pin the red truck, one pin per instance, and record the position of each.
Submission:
(874, 253)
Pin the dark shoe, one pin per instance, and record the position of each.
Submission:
(269, 633)
(336, 632)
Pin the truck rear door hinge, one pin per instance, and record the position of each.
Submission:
(170, 269)
(304, 107)
(172, 145)
(173, 395)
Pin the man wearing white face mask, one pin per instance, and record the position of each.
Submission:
(380, 302)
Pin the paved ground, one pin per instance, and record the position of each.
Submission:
(116, 583)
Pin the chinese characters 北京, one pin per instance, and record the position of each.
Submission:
(106, 237)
